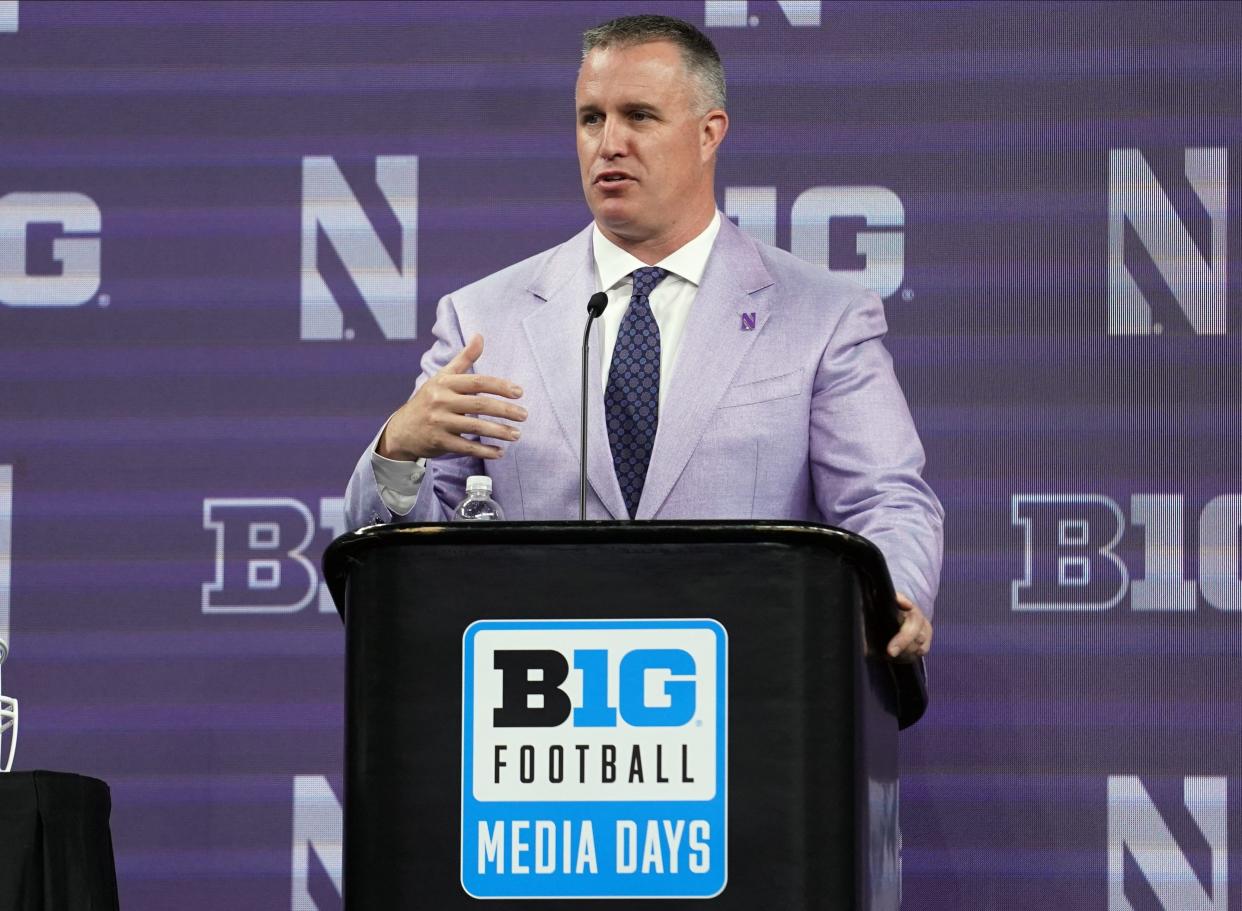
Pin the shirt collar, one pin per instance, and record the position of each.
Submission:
(613, 265)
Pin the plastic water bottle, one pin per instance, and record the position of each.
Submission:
(478, 505)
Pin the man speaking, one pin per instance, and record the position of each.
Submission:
(734, 380)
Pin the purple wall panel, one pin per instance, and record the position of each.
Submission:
(1063, 319)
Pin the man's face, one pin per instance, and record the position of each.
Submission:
(645, 155)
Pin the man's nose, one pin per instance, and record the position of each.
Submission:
(613, 139)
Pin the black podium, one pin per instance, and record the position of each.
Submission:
(55, 843)
(695, 713)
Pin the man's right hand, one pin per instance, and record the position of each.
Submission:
(432, 422)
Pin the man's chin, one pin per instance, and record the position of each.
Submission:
(614, 215)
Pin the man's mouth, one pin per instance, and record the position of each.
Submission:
(612, 177)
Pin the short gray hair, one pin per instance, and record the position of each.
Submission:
(697, 51)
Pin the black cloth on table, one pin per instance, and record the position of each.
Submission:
(55, 843)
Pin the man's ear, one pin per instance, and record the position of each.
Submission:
(712, 132)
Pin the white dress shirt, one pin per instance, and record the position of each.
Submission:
(670, 300)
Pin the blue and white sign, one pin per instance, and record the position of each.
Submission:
(594, 759)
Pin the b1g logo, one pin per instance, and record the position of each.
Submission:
(593, 759)
(1071, 560)
(855, 232)
(49, 249)
(261, 562)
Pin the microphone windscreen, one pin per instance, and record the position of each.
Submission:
(597, 303)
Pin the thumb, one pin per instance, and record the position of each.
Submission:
(466, 357)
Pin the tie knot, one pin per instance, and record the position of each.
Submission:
(646, 278)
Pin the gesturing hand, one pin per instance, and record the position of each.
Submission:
(432, 422)
(914, 638)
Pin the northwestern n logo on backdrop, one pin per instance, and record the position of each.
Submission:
(1168, 244)
(356, 275)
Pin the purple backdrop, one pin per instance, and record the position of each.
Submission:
(223, 231)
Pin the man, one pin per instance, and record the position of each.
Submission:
(734, 381)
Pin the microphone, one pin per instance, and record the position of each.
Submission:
(595, 306)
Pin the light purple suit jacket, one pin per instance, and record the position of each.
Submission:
(799, 418)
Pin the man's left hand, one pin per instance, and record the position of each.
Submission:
(914, 638)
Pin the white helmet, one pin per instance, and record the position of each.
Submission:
(8, 720)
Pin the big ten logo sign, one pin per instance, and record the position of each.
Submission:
(261, 558)
(49, 250)
(740, 13)
(855, 232)
(1071, 558)
(8, 16)
(359, 250)
(593, 760)
(1167, 244)
(317, 861)
(1168, 847)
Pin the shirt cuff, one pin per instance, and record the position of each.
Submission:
(398, 482)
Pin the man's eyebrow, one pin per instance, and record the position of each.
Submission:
(624, 106)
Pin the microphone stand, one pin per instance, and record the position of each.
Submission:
(595, 306)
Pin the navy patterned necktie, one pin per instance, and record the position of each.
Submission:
(632, 399)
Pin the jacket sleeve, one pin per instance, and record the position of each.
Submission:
(444, 484)
(866, 457)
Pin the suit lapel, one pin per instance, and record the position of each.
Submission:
(554, 333)
(713, 346)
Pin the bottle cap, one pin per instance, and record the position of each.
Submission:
(479, 483)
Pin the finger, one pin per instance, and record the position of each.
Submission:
(911, 643)
(906, 638)
(475, 383)
(480, 404)
(461, 446)
(899, 645)
(910, 621)
(461, 425)
(465, 358)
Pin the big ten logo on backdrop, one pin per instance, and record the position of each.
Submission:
(593, 759)
(740, 13)
(855, 232)
(1168, 844)
(1072, 552)
(49, 250)
(8, 16)
(1168, 243)
(317, 860)
(264, 559)
(359, 250)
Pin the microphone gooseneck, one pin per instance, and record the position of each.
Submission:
(595, 306)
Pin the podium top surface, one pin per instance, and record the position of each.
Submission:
(860, 552)
(880, 614)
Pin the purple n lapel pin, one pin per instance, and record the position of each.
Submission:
(748, 322)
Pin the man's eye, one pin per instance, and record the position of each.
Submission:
(640, 115)
(589, 119)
